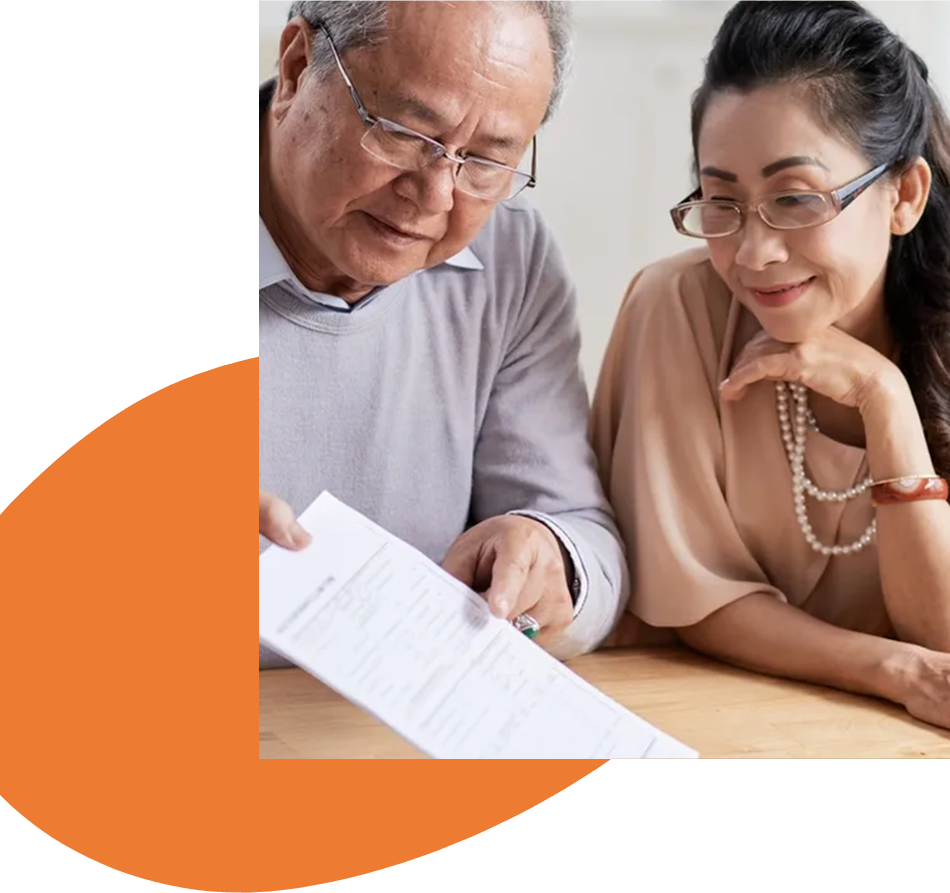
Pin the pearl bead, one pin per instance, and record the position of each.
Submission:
(794, 434)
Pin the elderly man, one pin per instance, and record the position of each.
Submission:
(418, 340)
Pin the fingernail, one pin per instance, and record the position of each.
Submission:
(289, 540)
(504, 606)
(723, 383)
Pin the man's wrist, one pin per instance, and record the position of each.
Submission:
(573, 567)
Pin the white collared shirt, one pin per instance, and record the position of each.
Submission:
(273, 270)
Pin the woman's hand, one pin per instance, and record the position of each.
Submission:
(832, 364)
(923, 686)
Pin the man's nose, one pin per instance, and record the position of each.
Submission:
(431, 189)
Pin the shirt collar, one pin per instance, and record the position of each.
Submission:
(465, 260)
(272, 268)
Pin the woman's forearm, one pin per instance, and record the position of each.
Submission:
(913, 537)
(760, 633)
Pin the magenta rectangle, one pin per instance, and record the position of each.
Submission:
(825, 812)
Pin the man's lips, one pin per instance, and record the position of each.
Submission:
(399, 230)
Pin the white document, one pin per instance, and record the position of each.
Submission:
(388, 629)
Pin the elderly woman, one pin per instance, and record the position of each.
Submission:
(773, 416)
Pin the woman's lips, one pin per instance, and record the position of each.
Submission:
(781, 295)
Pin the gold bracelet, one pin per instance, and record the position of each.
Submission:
(905, 477)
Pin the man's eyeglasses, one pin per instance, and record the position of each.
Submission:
(715, 218)
(410, 151)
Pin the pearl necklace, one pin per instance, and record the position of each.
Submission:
(793, 435)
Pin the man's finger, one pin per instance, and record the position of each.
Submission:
(547, 599)
(461, 561)
(510, 575)
(279, 524)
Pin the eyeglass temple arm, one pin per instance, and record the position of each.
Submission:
(849, 193)
(534, 164)
(368, 119)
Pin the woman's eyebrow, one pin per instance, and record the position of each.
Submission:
(769, 170)
(793, 161)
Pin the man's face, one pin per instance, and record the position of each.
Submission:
(474, 76)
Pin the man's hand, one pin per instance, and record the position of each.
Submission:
(519, 565)
(278, 523)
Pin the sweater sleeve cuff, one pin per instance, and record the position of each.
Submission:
(578, 582)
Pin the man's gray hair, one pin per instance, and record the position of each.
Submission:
(356, 23)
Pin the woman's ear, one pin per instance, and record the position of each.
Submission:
(913, 188)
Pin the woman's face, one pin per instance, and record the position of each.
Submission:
(796, 282)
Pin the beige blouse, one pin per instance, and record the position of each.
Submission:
(702, 489)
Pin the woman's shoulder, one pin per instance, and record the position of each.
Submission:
(676, 302)
(682, 282)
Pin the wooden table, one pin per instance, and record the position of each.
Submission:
(718, 710)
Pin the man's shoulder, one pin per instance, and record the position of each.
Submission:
(521, 280)
(514, 232)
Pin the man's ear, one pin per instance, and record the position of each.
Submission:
(292, 65)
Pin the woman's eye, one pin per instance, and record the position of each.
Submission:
(795, 201)
(787, 201)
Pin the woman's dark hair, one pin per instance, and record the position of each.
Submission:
(869, 87)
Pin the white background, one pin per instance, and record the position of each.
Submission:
(623, 134)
